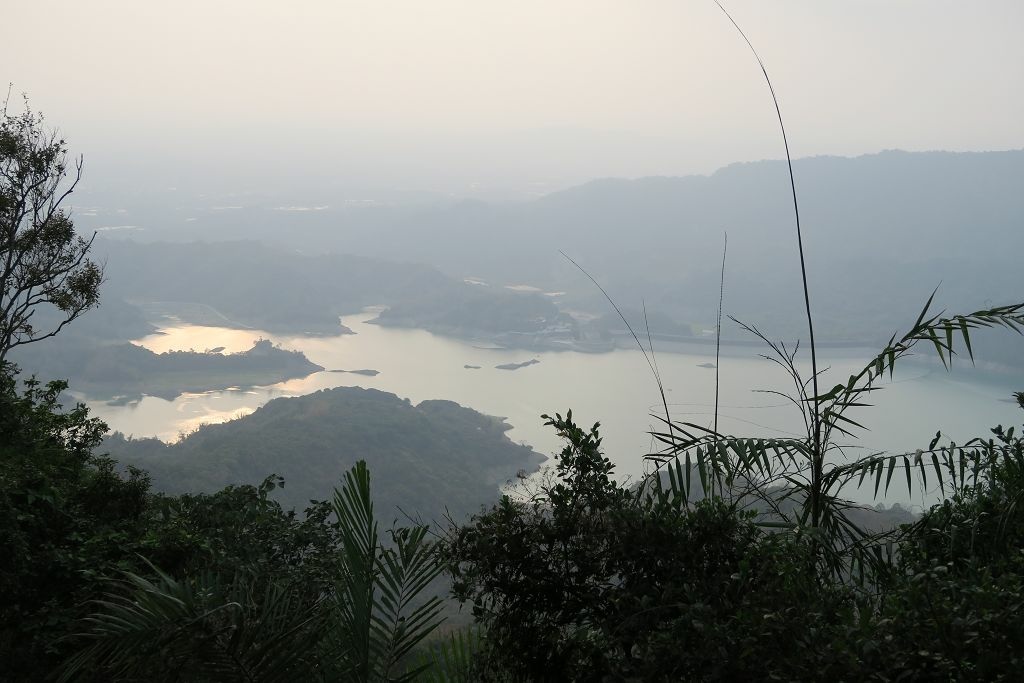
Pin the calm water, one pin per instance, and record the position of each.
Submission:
(615, 388)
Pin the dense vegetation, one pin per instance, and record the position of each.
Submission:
(67, 517)
(103, 579)
(584, 579)
(587, 580)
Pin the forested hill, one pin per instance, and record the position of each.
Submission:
(425, 458)
(283, 290)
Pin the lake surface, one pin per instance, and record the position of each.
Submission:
(615, 388)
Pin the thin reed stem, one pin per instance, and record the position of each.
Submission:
(651, 361)
(718, 328)
(817, 463)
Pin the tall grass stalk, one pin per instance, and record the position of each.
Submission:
(718, 327)
(648, 356)
(817, 461)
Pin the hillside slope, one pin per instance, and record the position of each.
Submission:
(424, 458)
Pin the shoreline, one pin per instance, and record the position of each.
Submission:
(618, 340)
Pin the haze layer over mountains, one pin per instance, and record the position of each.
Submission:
(881, 232)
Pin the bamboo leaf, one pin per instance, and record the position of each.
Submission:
(967, 338)
(938, 472)
(924, 311)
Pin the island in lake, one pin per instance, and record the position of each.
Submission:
(131, 370)
(516, 366)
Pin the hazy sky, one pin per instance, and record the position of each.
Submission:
(474, 96)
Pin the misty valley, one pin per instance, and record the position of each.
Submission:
(219, 364)
(366, 342)
(432, 331)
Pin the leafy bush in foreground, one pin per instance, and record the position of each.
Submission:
(587, 580)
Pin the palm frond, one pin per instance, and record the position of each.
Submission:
(450, 660)
(354, 597)
(203, 629)
(404, 573)
(941, 332)
(380, 613)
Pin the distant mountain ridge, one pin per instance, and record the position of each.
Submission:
(280, 290)
(881, 231)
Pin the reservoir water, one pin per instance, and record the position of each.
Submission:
(616, 388)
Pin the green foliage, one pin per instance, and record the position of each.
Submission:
(241, 531)
(588, 580)
(980, 527)
(264, 596)
(43, 263)
(378, 612)
(66, 518)
(199, 629)
(451, 659)
(951, 612)
(800, 481)
(245, 591)
(585, 580)
(70, 522)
